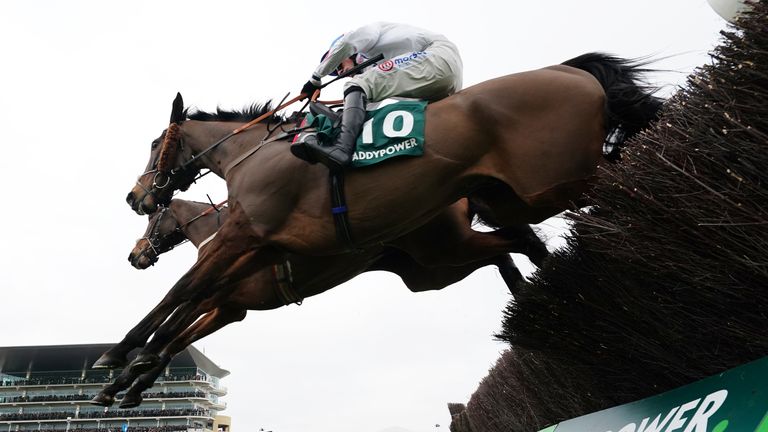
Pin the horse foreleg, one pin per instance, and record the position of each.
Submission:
(182, 318)
(213, 293)
(181, 291)
(133, 397)
(117, 356)
(221, 259)
(210, 323)
(147, 367)
(106, 396)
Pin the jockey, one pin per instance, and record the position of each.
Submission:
(420, 64)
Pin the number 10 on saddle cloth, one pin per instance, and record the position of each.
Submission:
(392, 128)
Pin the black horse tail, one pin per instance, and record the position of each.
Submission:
(630, 103)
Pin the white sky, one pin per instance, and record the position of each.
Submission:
(86, 85)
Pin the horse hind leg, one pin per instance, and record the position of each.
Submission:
(473, 246)
(448, 239)
(509, 272)
(524, 240)
(497, 205)
(419, 278)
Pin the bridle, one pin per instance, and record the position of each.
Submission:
(158, 242)
(171, 145)
(172, 133)
(213, 208)
(155, 239)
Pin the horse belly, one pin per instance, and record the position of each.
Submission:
(392, 201)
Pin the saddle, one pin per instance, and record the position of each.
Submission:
(331, 121)
(319, 108)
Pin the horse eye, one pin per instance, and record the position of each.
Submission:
(155, 143)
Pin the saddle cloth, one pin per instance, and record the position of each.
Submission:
(393, 127)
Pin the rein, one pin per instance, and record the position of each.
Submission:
(235, 132)
(214, 207)
(301, 96)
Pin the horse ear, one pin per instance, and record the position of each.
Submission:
(177, 112)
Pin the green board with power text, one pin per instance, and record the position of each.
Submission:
(733, 401)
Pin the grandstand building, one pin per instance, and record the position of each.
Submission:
(48, 388)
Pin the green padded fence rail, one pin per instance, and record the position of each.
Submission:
(733, 401)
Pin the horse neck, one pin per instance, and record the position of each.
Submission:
(195, 228)
(200, 135)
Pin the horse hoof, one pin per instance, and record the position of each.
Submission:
(102, 399)
(108, 361)
(130, 401)
(144, 363)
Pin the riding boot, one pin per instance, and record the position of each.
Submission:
(339, 155)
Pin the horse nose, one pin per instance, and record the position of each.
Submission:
(139, 261)
(130, 198)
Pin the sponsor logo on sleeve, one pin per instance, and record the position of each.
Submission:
(386, 66)
(402, 62)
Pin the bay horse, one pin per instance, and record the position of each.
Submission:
(187, 220)
(526, 146)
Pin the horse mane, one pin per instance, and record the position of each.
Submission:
(169, 148)
(245, 114)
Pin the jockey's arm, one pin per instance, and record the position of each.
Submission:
(360, 40)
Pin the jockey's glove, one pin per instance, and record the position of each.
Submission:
(311, 86)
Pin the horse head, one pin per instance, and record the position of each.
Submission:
(170, 226)
(163, 233)
(166, 170)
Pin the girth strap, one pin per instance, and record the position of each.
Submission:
(284, 281)
(339, 210)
